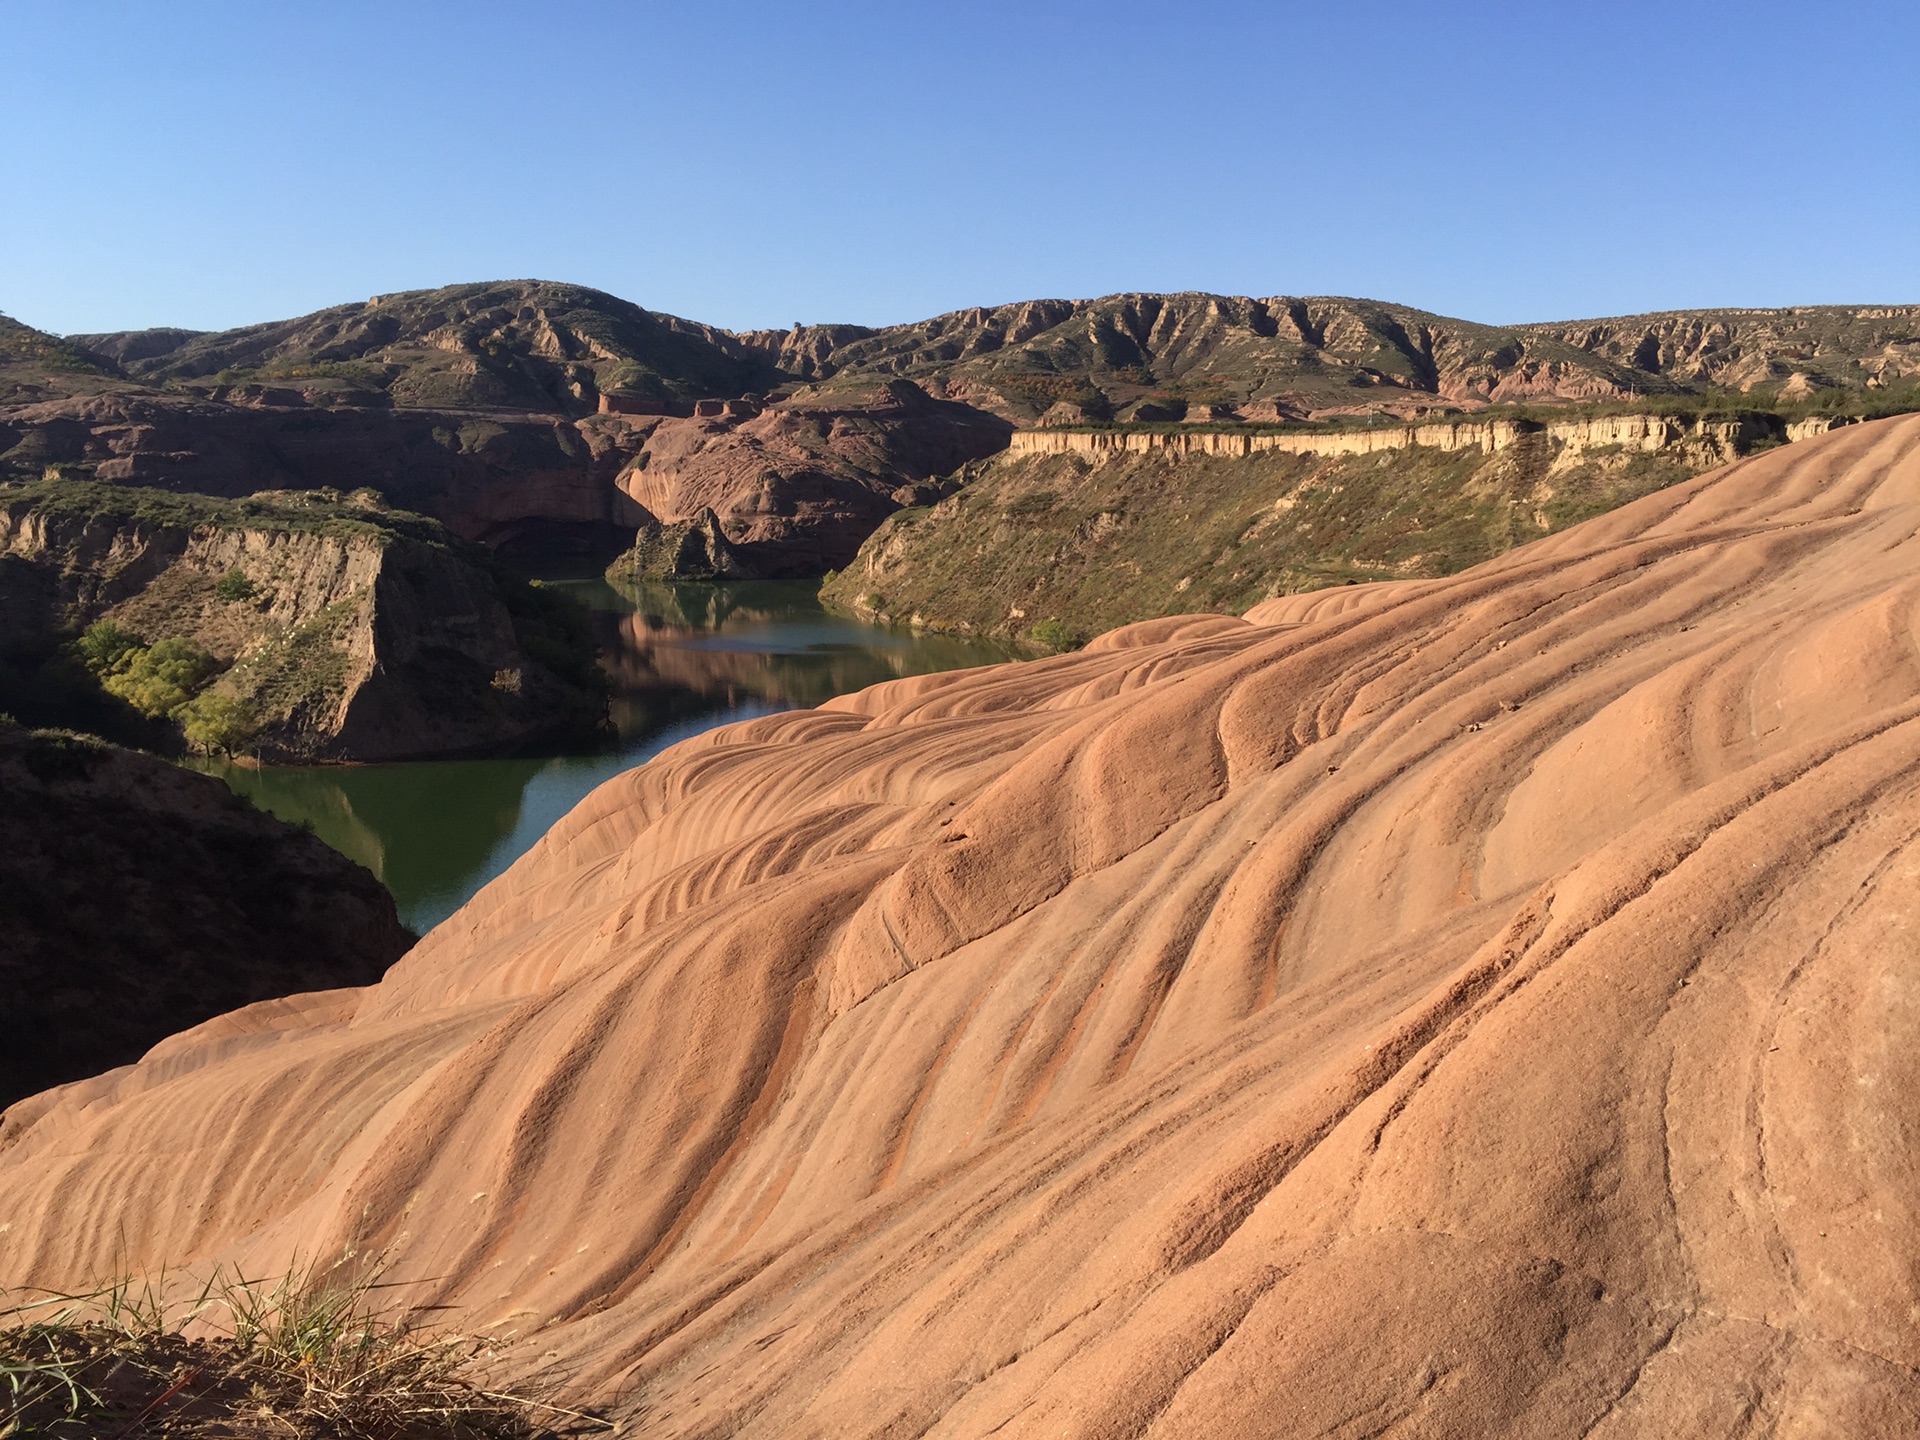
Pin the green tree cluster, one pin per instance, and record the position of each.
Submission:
(169, 680)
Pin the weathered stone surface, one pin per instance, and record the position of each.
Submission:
(1471, 1007)
(696, 549)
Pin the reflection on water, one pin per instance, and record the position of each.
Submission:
(682, 659)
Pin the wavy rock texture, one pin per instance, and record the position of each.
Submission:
(1467, 1007)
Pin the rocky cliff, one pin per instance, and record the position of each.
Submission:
(1467, 1007)
(799, 485)
(482, 405)
(1798, 350)
(1071, 532)
(138, 900)
(342, 630)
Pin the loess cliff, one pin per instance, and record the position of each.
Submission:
(1478, 1006)
(341, 630)
(1071, 532)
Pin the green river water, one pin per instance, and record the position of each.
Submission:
(682, 659)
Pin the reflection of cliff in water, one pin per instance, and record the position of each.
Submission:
(681, 650)
(679, 658)
(424, 827)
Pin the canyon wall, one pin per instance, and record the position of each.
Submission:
(1729, 438)
(346, 631)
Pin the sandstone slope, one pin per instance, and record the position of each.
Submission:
(1480, 1006)
(137, 899)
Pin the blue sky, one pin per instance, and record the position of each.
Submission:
(209, 165)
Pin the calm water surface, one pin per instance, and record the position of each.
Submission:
(682, 659)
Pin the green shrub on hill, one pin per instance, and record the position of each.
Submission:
(214, 721)
(160, 679)
(168, 680)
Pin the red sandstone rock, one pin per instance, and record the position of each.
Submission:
(1470, 1007)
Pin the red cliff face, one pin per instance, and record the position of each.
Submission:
(803, 482)
(1468, 1007)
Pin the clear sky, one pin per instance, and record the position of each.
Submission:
(211, 164)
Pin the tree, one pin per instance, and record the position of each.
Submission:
(162, 678)
(214, 721)
(107, 645)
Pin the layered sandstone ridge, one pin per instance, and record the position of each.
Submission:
(1470, 1007)
(1729, 439)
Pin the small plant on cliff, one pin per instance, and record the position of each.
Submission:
(234, 586)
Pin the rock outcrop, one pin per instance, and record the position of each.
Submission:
(347, 631)
(801, 484)
(1723, 439)
(695, 549)
(138, 900)
(1071, 532)
(1470, 1007)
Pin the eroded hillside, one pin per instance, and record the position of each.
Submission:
(1476, 1006)
(481, 405)
(295, 626)
(1069, 534)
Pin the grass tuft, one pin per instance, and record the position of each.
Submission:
(319, 1352)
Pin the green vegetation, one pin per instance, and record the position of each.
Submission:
(1056, 636)
(234, 586)
(320, 1352)
(168, 680)
(63, 754)
(293, 512)
(158, 680)
(300, 672)
(213, 721)
(1086, 546)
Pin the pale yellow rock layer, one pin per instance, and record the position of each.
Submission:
(1631, 432)
(1469, 1007)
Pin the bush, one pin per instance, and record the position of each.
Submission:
(234, 586)
(63, 755)
(1056, 636)
(106, 647)
(161, 679)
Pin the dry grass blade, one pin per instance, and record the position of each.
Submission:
(317, 1352)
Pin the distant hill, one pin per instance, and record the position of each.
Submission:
(482, 405)
(1284, 357)
(524, 344)
(1773, 353)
